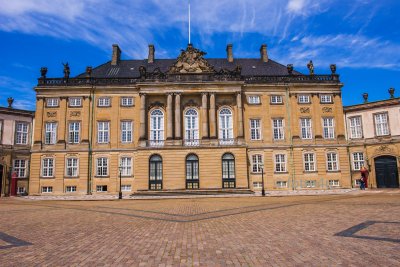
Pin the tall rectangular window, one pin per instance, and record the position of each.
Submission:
(52, 102)
(278, 129)
(328, 128)
(21, 137)
(257, 163)
(306, 130)
(48, 167)
(309, 162)
(126, 166)
(332, 161)
(126, 131)
(103, 132)
(255, 129)
(358, 160)
(280, 163)
(102, 167)
(19, 167)
(75, 101)
(104, 102)
(51, 133)
(74, 131)
(72, 167)
(381, 124)
(355, 127)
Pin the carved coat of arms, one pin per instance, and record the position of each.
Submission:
(191, 61)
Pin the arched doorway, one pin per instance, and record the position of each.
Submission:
(155, 173)
(192, 172)
(386, 172)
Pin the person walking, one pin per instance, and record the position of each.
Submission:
(364, 176)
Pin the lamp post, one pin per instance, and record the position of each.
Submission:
(262, 179)
(120, 182)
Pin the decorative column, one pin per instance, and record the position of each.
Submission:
(169, 116)
(177, 116)
(213, 126)
(240, 114)
(204, 116)
(142, 131)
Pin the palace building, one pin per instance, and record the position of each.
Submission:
(189, 123)
(373, 132)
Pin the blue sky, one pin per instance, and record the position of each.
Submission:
(361, 36)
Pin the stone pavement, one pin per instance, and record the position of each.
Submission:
(356, 229)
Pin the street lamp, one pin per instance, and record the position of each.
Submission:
(262, 179)
(120, 182)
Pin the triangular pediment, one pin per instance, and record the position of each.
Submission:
(192, 61)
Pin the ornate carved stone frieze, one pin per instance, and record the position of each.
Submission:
(326, 110)
(51, 114)
(75, 113)
(191, 60)
(304, 110)
(383, 148)
(191, 103)
(156, 104)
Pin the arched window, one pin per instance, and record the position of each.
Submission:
(192, 172)
(155, 172)
(156, 127)
(228, 171)
(191, 127)
(225, 126)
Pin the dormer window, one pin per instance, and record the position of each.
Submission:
(52, 102)
(104, 102)
(254, 99)
(304, 99)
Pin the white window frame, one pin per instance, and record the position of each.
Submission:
(281, 184)
(358, 160)
(306, 128)
(355, 126)
(21, 190)
(157, 127)
(334, 183)
(126, 131)
(309, 162)
(103, 132)
(276, 99)
(254, 99)
(257, 185)
(381, 124)
(255, 129)
(102, 187)
(104, 102)
(328, 127)
(74, 130)
(326, 99)
(102, 167)
(225, 116)
(126, 188)
(257, 163)
(191, 126)
(126, 101)
(50, 137)
(52, 102)
(47, 189)
(20, 167)
(70, 189)
(311, 183)
(332, 163)
(48, 167)
(126, 166)
(280, 163)
(72, 167)
(278, 128)
(304, 99)
(22, 133)
(75, 101)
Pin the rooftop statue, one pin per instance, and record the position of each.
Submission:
(191, 61)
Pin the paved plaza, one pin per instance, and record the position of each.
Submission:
(357, 228)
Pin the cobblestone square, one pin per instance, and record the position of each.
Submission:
(355, 229)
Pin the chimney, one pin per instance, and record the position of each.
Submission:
(229, 53)
(116, 55)
(152, 50)
(264, 53)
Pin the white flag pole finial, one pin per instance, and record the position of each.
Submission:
(189, 20)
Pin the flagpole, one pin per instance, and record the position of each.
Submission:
(189, 21)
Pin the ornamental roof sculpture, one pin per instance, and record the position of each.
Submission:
(191, 60)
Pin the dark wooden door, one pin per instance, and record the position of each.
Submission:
(386, 172)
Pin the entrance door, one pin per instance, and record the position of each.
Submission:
(228, 171)
(192, 172)
(386, 172)
(1, 179)
(155, 175)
